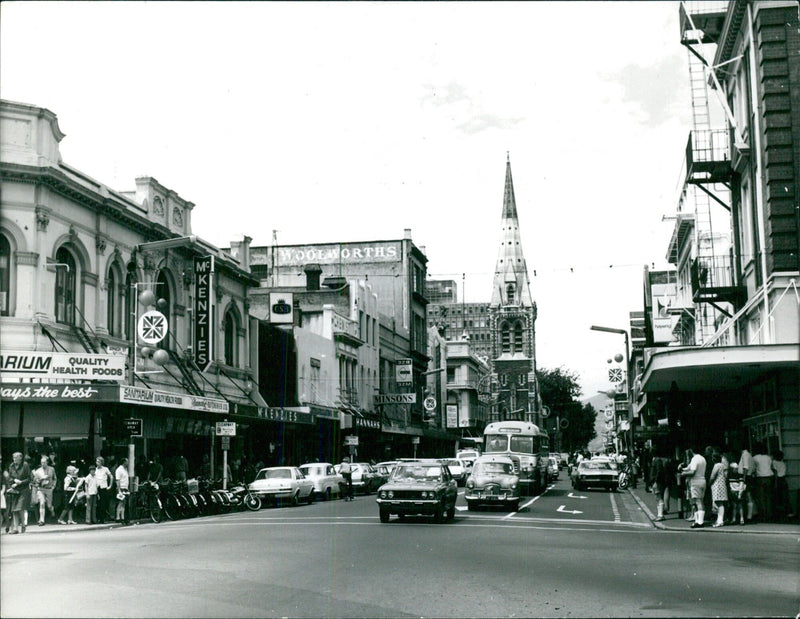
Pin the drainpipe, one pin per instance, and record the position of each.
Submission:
(759, 205)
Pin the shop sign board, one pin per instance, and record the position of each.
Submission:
(281, 306)
(151, 397)
(203, 333)
(152, 327)
(226, 443)
(22, 365)
(293, 415)
(69, 392)
(451, 415)
(395, 398)
(351, 439)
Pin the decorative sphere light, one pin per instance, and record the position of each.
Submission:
(145, 351)
(618, 358)
(609, 361)
(160, 357)
(162, 304)
(147, 298)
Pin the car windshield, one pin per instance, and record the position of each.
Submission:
(406, 472)
(596, 466)
(492, 468)
(452, 462)
(274, 474)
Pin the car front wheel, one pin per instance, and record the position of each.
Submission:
(438, 515)
(384, 515)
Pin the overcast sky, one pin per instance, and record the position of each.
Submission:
(354, 121)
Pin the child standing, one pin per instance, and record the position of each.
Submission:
(90, 483)
(71, 486)
(736, 493)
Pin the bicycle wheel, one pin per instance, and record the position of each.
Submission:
(156, 511)
(172, 507)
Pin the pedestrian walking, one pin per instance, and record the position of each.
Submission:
(44, 481)
(72, 485)
(122, 478)
(782, 504)
(90, 484)
(18, 494)
(347, 474)
(695, 474)
(105, 481)
(659, 481)
(762, 465)
(746, 469)
(719, 486)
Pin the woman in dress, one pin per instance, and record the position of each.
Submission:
(18, 494)
(719, 486)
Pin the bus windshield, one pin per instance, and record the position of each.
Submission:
(497, 443)
(523, 444)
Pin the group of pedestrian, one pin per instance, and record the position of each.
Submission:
(24, 488)
(750, 489)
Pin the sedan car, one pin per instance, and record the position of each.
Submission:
(595, 473)
(423, 487)
(552, 468)
(282, 483)
(457, 469)
(363, 476)
(327, 482)
(492, 482)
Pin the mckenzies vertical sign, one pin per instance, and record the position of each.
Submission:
(203, 333)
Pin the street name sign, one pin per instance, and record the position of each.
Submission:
(133, 426)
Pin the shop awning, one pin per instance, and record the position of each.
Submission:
(714, 369)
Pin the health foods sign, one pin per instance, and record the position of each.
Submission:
(18, 365)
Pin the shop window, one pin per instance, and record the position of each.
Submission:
(5, 276)
(66, 287)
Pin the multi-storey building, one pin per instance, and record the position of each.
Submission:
(457, 321)
(80, 265)
(731, 375)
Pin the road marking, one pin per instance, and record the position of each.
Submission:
(575, 496)
(567, 511)
(614, 507)
(531, 502)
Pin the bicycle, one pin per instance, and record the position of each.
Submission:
(146, 504)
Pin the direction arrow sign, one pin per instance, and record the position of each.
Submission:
(567, 511)
(575, 496)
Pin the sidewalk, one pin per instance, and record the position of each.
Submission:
(52, 527)
(647, 501)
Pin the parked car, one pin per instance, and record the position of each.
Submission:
(327, 482)
(457, 469)
(563, 459)
(595, 473)
(282, 483)
(380, 475)
(552, 468)
(492, 482)
(363, 477)
(468, 456)
(389, 464)
(423, 487)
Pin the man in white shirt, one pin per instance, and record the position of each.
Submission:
(762, 467)
(104, 483)
(746, 470)
(695, 473)
(121, 475)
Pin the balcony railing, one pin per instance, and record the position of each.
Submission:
(708, 156)
(706, 21)
(713, 280)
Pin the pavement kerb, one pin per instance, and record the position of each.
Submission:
(775, 529)
(35, 529)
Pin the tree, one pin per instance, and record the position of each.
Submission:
(560, 392)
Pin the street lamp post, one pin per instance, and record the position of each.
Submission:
(627, 375)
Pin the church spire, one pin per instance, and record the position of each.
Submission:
(511, 285)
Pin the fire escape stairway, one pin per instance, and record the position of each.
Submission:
(189, 382)
(83, 337)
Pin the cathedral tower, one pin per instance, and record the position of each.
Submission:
(512, 316)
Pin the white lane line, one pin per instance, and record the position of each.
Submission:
(531, 502)
(614, 507)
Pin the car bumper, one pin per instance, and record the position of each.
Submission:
(492, 499)
(407, 506)
(609, 482)
(273, 494)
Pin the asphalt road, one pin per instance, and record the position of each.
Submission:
(592, 553)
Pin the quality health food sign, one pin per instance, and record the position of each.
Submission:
(22, 365)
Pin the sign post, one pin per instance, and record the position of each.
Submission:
(225, 429)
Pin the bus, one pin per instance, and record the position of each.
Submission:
(526, 445)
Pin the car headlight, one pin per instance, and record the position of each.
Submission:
(514, 486)
(470, 484)
(382, 494)
(390, 494)
(424, 494)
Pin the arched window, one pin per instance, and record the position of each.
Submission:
(66, 278)
(5, 276)
(231, 328)
(518, 337)
(162, 291)
(111, 302)
(505, 334)
(129, 320)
